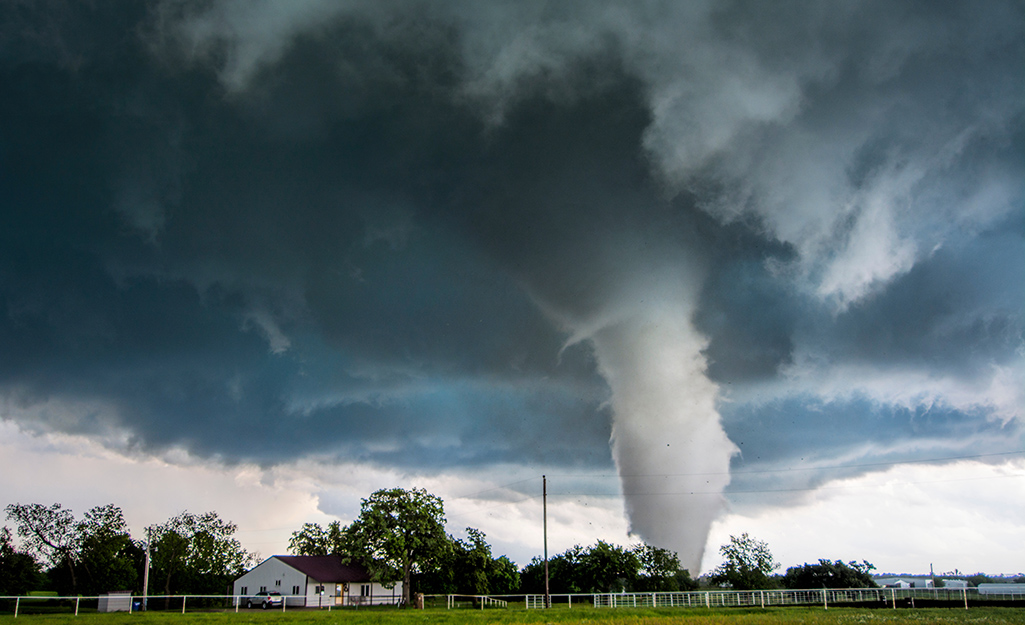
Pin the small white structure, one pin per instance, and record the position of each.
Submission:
(955, 583)
(117, 601)
(312, 581)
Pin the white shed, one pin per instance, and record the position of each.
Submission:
(312, 581)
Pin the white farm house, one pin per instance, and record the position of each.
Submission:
(311, 581)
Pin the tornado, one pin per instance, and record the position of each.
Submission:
(668, 444)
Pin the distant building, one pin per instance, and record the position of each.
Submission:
(955, 583)
(904, 582)
(1001, 589)
(311, 581)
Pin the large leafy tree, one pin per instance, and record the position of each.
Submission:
(828, 574)
(49, 533)
(19, 572)
(470, 568)
(196, 553)
(661, 571)
(470, 563)
(399, 533)
(478, 572)
(89, 556)
(108, 558)
(747, 564)
(607, 568)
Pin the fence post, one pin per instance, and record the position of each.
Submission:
(184, 597)
(79, 599)
(17, 602)
(825, 601)
(964, 591)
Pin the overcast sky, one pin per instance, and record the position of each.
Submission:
(713, 267)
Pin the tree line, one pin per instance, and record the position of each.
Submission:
(189, 553)
(399, 535)
(748, 565)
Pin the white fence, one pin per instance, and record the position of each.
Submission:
(452, 602)
(890, 597)
(157, 603)
(827, 598)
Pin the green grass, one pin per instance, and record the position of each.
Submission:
(564, 616)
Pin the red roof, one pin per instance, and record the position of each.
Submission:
(327, 569)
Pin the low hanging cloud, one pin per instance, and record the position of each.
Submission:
(432, 237)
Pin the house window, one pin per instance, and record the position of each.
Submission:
(277, 582)
(364, 590)
(244, 590)
(263, 589)
(295, 590)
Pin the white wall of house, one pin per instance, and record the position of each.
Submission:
(271, 575)
(300, 590)
(372, 593)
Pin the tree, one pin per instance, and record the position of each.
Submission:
(314, 540)
(399, 533)
(505, 577)
(197, 554)
(476, 571)
(108, 559)
(748, 563)
(19, 572)
(661, 571)
(51, 533)
(472, 559)
(828, 574)
(607, 568)
(310, 540)
(563, 573)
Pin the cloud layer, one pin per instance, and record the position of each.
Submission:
(432, 237)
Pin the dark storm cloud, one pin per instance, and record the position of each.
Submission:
(160, 245)
(435, 236)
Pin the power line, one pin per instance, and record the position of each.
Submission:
(773, 490)
(745, 492)
(790, 470)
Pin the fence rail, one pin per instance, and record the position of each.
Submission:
(117, 602)
(890, 597)
(827, 598)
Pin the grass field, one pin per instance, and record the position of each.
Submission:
(576, 616)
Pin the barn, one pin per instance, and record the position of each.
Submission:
(312, 581)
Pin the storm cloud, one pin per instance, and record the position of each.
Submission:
(448, 235)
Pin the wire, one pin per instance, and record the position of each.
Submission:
(788, 470)
(773, 490)
(739, 492)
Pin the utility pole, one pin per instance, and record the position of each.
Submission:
(145, 574)
(544, 507)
